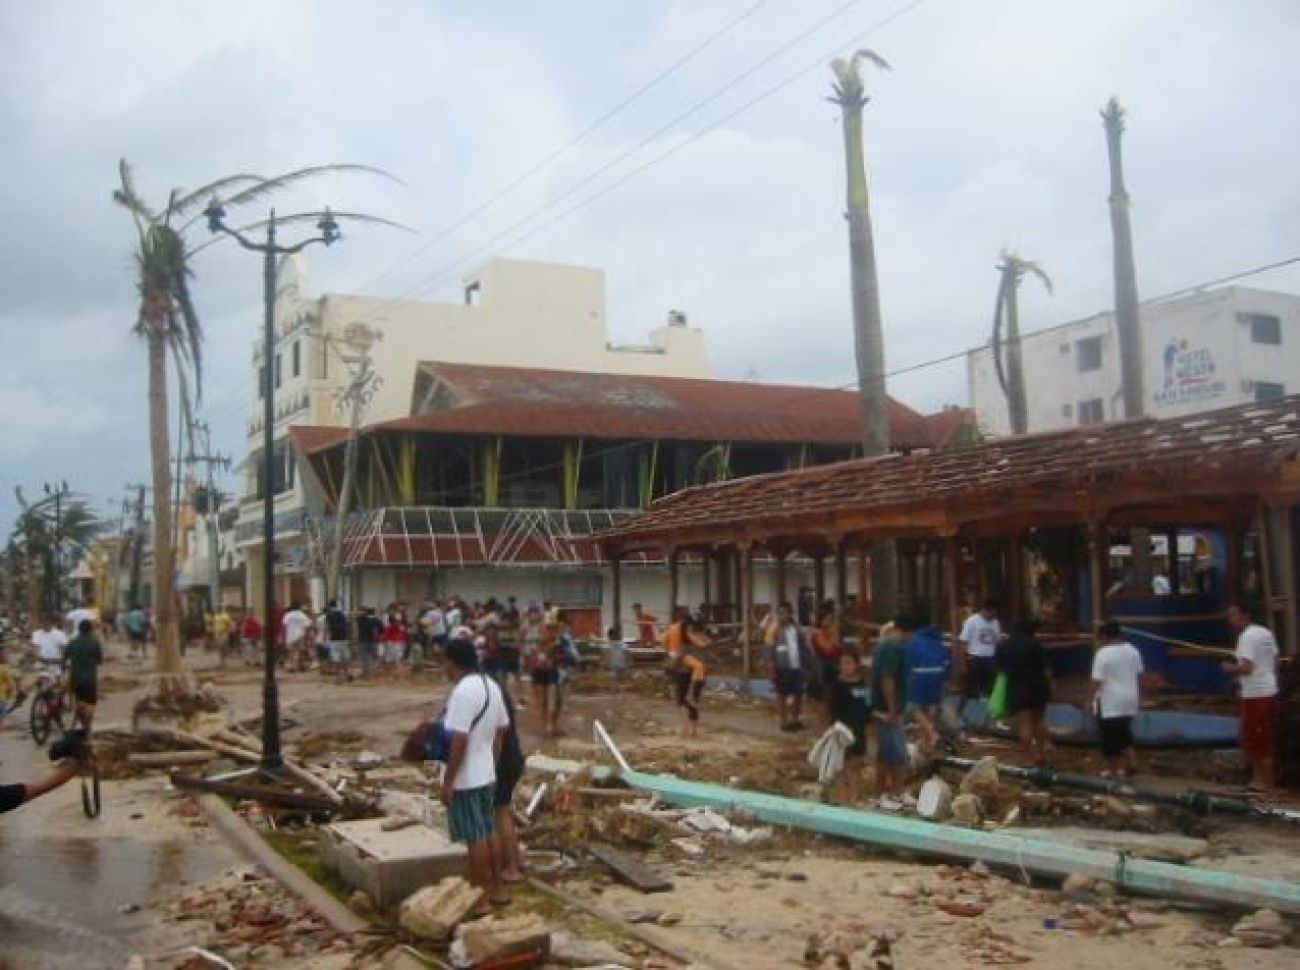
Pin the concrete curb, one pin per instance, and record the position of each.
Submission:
(243, 837)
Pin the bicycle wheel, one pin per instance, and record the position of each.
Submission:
(40, 719)
(91, 803)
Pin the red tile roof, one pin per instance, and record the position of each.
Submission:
(1227, 452)
(549, 403)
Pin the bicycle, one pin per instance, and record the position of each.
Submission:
(76, 744)
(50, 706)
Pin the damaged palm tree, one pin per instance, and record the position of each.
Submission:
(1012, 270)
(849, 92)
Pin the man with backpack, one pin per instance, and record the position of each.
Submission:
(476, 723)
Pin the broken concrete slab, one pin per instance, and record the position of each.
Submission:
(435, 911)
(629, 870)
(389, 865)
(495, 938)
(1166, 848)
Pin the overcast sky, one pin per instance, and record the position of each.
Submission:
(985, 134)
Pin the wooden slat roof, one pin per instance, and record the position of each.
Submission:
(1226, 452)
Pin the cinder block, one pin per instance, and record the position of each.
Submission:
(389, 866)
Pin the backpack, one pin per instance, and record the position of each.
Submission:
(437, 743)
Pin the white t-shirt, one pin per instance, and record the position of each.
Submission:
(463, 706)
(74, 618)
(295, 625)
(453, 618)
(981, 636)
(1117, 668)
(1161, 586)
(792, 647)
(435, 621)
(1257, 644)
(49, 645)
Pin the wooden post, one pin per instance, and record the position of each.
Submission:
(780, 553)
(615, 562)
(1264, 547)
(819, 582)
(1016, 577)
(841, 582)
(952, 581)
(708, 585)
(745, 553)
(864, 594)
(1097, 551)
(673, 579)
(1285, 585)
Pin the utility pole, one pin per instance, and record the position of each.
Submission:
(57, 493)
(354, 398)
(210, 505)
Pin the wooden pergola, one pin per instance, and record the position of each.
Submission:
(1235, 470)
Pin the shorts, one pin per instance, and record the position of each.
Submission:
(508, 662)
(470, 818)
(545, 678)
(790, 683)
(980, 674)
(503, 792)
(1255, 728)
(86, 693)
(891, 745)
(1116, 735)
(137, 636)
(340, 651)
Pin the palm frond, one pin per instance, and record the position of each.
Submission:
(995, 344)
(128, 197)
(872, 58)
(280, 182)
(191, 198)
(189, 333)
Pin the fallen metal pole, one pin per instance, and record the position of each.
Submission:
(997, 848)
(1200, 802)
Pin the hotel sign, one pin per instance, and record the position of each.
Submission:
(1189, 375)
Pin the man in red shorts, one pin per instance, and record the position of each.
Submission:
(1256, 672)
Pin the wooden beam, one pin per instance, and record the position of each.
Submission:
(616, 582)
(674, 578)
(1285, 584)
(841, 581)
(1098, 543)
(819, 581)
(952, 581)
(746, 612)
(780, 554)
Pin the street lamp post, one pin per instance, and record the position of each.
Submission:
(272, 763)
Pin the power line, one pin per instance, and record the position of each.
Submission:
(577, 139)
(659, 132)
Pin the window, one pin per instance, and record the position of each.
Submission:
(1266, 391)
(1092, 411)
(1067, 410)
(297, 359)
(278, 371)
(261, 382)
(1264, 327)
(1087, 354)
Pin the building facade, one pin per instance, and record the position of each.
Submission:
(513, 312)
(1201, 352)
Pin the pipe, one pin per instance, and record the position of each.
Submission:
(1200, 802)
(998, 848)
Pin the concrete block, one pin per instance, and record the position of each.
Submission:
(389, 866)
(494, 938)
(433, 912)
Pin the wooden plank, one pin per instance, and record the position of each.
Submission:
(629, 870)
(267, 794)
(163, 759)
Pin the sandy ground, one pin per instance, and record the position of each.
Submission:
(744, 908)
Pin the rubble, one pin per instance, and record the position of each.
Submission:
(495, 938)
(435, 911)
(1263, 928)
(570, 951)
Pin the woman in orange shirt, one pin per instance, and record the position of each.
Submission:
(826, 646)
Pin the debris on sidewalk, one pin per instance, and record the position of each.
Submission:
(434, 912)
(514, 941)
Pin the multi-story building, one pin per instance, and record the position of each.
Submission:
(513, 312)
(497, 479)
(1209, 350)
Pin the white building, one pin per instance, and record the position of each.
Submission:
(1209, 350)
(514, 313)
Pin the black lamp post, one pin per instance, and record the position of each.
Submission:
(272, 760)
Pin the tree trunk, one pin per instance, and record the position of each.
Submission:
(868, 340)
(164, 599)
(1017, 404)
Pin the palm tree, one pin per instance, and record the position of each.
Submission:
(168, 322)
(1127, 323)
(1012, 270)
(849, 93)
(42, 540)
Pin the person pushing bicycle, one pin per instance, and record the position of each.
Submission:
(84, 655)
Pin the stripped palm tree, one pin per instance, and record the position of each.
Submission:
(849, 92)
(1011, 375)
(168, 321)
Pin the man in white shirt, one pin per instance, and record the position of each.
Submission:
(294, 625)
(86, 611)
(477, 721)
(1256, 671)
(1116, 698)
(49, 643)
(979, 637)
